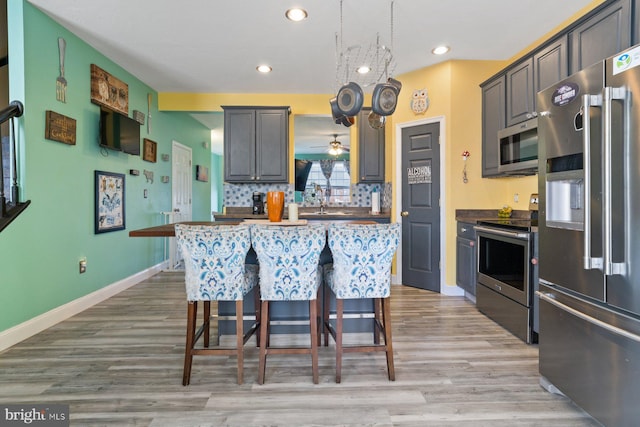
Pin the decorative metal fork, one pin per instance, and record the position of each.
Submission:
(61, 82)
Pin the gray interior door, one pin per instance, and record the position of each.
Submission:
(421, 206)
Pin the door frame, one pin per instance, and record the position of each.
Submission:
(397, 192)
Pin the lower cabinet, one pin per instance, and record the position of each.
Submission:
(466, 270)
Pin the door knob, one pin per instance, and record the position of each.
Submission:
(404, 213)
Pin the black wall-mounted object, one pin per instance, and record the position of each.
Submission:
(119, 132)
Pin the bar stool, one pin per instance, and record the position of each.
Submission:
(361, 268)
(289, 271)
(215, 270)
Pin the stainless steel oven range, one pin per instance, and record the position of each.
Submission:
(507, 274)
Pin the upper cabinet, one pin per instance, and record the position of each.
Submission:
(550, 65)
(545, 67)
(520, 95)
(370, 150)
(256, 144)
(493, 112)
(602, 35)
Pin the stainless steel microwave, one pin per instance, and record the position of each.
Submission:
(518, 151)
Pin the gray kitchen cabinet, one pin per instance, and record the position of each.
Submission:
(256, 144)
(523, 81)
(550, 65)
(493, 119)
(520, 93)
(604, 34)
(370, 150)
(466, 270)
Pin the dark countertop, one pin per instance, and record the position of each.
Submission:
(309, 213)
(475, 215)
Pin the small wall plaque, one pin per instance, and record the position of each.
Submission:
(60, 128)
(138, 116)
(165, 179)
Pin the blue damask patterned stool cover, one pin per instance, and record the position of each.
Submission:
(214, 258)
(215, 270)
(289, 271)
(362, 257)
(288, 258)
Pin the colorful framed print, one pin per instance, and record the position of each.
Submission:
(109, 198)
(202, 173)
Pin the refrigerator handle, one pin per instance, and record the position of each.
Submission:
(609, 94)
(587, 102)
(550, 298)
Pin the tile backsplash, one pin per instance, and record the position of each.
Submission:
(239, 195)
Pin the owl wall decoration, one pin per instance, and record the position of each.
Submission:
(419, 101)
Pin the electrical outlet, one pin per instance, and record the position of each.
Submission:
(83, 265)
(516, 198)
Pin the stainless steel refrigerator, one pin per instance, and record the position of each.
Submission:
(589, 237)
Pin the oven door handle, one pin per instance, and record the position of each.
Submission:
(506, 233)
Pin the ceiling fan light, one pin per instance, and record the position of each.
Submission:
(264, 68)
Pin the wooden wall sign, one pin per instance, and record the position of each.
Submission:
(109, 91)
(60, 128)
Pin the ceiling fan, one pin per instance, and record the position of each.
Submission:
(335, 147)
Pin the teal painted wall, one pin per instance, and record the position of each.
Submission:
(40, 250)
(217, 182)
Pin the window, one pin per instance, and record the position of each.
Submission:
(339, 185)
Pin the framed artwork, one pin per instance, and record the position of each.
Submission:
(202, 173)
(109, 198)
(150, 150)
(109, 91)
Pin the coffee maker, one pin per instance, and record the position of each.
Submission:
(258, 203)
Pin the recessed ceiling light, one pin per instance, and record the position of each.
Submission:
(264, 68)
(296, 14)
(364, 69)
(440, 50)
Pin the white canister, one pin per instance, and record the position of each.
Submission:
(293, 211)
(375, 203)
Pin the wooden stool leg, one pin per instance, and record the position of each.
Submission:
(256, 301)
(326, 312)
(206, 322)
(240, 338)
(319, 320)
(264, 325)
(313, 326)
(188, 355)
(386, 314)
(339, 314)
(376, 317)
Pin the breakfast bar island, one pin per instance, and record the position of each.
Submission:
(289, 318)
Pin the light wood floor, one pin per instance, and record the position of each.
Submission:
(120, 363)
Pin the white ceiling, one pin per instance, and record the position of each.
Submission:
(214, 45)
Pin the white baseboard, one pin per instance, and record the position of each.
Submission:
(452, 291)
(46, 320)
